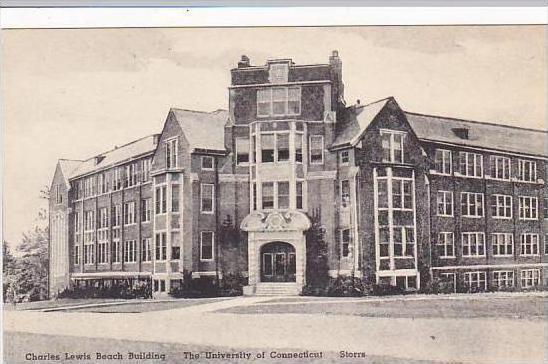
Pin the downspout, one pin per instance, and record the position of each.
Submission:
(217, 239)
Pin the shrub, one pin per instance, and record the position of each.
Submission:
(346, 286)
(126, 290)
(386, 290)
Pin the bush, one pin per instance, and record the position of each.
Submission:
(387, 290)
(230, 285)
(125, 290)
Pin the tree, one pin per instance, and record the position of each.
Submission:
(317, 269)
(8, 270)
(33, 264)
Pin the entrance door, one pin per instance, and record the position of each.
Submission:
(278, 262)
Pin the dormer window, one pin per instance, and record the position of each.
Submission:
(278, 73)
(462, 133)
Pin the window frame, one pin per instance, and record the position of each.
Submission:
(506, 167)
(146, 250)
(265, 95)
(444, 159)
(161, 248)
(445, 203)
(171, 152)
(466, 156)
(504, 276)
(495, 206)
(478, 274)
(207, 157)
(344, 242)
(533, 244)
(474, 205)
(237, 142)
(533, 171)
(445, 244)
(212, 186)
(496, 243)
(344, 156)
(392, 144)
(532, 208)
(202, 246)
(476, 243)
(535, 277)
(310, 149)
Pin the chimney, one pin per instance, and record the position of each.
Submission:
(336, 66)
(244, 62)
(155, 139)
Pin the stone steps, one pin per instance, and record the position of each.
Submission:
(277, 289)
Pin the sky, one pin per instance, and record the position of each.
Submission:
(73, 93)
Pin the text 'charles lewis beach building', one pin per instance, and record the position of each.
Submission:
(396, 197)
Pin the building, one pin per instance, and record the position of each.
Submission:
(397, 197)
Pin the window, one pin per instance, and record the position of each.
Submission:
(207, 197)
(145, 210)
(278, 101)
(530, 278)
(500, 168)
(345, 242)
(475, 281)
(130, 175)
(392, 146)
(316, 149)
(299, 147)
(116, 215)
(528, 208)
(268, 195)
(161, 200)
(129, 213)
(471, 204)
(471, 164)
(254, 196)
(345, 194)
(102, 253)
(145, 169)
(103, 218)
(76, 254)
(171, 153)
(446, 245)
(450, 279)
(503, 244)
(89, 254)
(58, 194)
(102, 183)
(146, 250)
(299, 195)
(546, 244)
(473, 244)
(545, 208)
(283, 195)
(402, 197)
(442, 161)
(130, 251)
(503, 278)
(278, 73)
(527, 171)
(175, 252)
(242, 151)
(207, 161)
(282, 147)
(117, 179)
(529, 244)
(404, 241)
(175, 198)
(501, 206)
(116, 251)
(445, 203)
(161, 246)
(206, 245)
(344, 157)
(89, 220)
(267, 148)
(89, 186)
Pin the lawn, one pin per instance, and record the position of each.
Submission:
(63, 302)
(147, 306)
(17, 345)
(515, 307)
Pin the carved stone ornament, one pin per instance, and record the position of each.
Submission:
(275, 221)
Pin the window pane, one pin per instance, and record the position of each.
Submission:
(268, 195)
(283, 195)
(242, 150)
(282, 141)
(267, 152)
(299, 195)
(298, 147)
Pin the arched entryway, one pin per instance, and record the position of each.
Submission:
(278, 262)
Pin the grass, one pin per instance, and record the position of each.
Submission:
(148, 306)
(515, 307)
(17, 345)
(63, 302)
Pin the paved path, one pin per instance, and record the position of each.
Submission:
(464, 340)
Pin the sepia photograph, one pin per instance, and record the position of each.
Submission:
(329, 194)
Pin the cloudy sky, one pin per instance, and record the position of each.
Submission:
(74, 93)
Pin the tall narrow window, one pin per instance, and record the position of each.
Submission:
(294, 100)
(443, 161)
(145, 210)
(345, 242)
(116, 215)
(146, 250)
(145, 169)
(268, 195)
(446, 245)
(445, 203)
(161, 246)
(129, 213)
(299, 195)
(282, 147)
(264, 102)
(279, 101)
(116, 251)
(254, 195)
(316, 149)
(174, 198)
(299, 147)
(267, 148)
(206, 245)
(207, 198)
(58, 194)
(171, 153)
(283, 195)
(242, 150)
(345, 193)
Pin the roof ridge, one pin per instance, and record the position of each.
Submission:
(374, 102)
(477, 122)
(121, 146)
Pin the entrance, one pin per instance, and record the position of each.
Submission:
(278, 262)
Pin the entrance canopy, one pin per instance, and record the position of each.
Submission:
(275, 221)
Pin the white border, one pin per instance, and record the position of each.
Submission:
(265, 16)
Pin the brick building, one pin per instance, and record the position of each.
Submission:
(398, 198)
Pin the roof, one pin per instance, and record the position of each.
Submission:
(480, 134)
(352, 129)
(68, 166)
(116, 156)
(203, 130)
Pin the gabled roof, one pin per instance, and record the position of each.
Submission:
(351, 129)
(203, 130)
(68, 166)
(116, 156)
(480, 134)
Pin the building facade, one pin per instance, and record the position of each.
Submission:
(395, 197)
